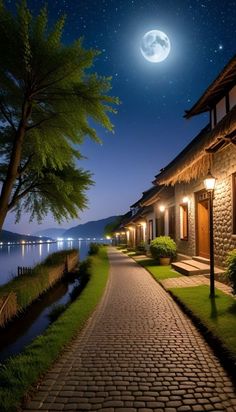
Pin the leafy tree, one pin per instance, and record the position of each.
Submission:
(110, 228)
(47, 99)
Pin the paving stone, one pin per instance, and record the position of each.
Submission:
(138, 353)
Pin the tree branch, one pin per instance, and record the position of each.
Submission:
(19, 196)
(7, 116)
(41, 122)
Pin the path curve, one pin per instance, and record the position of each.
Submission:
(139, 352)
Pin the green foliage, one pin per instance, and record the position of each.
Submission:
(48, 97)
(218, 314)
(58, 258)
(110, 228)
(231, 269)
(85, 267)
(141, 247)
(94, 248)
(158, 272)
(22, 371)
(163, 246)
(29, 287)
(56, 311)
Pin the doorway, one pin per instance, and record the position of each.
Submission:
(202, 220)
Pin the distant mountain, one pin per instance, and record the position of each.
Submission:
(6, 236)
(54, 233)
(90, 229)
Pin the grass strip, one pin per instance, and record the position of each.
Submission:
(217, 315)
(158, 272)
(29, 286)
(19, 373)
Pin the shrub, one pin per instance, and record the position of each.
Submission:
(231, 269)
(141, 247)
(94, 248)
(163, 246)
(58, 258)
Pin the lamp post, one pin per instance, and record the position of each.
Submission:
(209, 183)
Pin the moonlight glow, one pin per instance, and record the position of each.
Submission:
(155, 46)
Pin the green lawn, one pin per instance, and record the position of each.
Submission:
(158, 272)
(218, 315)
(20, 372)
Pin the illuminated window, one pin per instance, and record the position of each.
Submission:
(150, 225)
(184, 221)
(234, 202)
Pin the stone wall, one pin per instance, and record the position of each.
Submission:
(224, 165)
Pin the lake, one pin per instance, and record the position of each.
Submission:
(35, 319)
(29, 255)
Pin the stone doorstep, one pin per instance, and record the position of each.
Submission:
(185, 268)
(193, 267)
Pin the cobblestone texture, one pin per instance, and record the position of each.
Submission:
(196, 280)
(138, 353)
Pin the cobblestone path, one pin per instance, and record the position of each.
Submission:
(195, 280)
(139, 352)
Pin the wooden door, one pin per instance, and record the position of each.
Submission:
(203, 236)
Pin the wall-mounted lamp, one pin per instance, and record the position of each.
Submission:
(162, 208)
(209, 181)
(185, 199)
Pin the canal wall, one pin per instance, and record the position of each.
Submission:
(22, 291)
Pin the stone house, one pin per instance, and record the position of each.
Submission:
(214, 149)
(149, 217)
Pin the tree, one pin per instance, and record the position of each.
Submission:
(110, 228)
(47, 99)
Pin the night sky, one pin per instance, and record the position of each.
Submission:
(149, 127)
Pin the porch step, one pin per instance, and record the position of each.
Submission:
(185, 268)
(193, 267)
(201, 259)
(201, 267)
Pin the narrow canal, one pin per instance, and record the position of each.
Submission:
(35, 320)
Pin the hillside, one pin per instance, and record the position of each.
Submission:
(54, 233)
(90, 229)
(6, 236)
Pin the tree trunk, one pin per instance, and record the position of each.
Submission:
(12, 173)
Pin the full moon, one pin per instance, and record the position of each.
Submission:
(155, 46)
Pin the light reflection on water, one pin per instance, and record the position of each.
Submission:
(29, 255)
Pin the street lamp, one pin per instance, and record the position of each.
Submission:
(209, 183)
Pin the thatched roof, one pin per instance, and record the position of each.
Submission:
(217, 89)
(147, 195)
(194, 161)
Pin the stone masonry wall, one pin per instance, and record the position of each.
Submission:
(224, 165)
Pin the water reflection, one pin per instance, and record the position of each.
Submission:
(22, 254)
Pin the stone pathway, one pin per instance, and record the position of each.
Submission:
(139, 352)
(196, 280)
(189, 281)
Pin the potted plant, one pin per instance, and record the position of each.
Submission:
(163, 249)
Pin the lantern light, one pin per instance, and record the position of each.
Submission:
(209, 181)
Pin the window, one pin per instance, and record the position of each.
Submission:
(172, 222)
(150, 230)
(160, 225)
(184, 222)
(234, 202)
